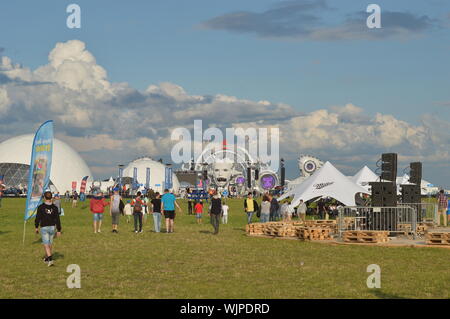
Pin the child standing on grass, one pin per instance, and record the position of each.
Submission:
(128, 211)
(198, 208)
(225, 213)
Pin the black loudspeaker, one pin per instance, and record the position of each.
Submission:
(256, 174)
(283, 176)
(384, 194)
(389, 166)
(205, 175)
(411, 194)
(249, 177)
(415, 174)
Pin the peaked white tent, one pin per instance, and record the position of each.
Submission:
(364, 176)
(327, 182)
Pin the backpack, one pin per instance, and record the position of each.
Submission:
(137, 206)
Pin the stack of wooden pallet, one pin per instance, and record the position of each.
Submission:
(255, 229)
(365, 236)
(407, 228)
(278, 229)
(315, 233)
(437, 238)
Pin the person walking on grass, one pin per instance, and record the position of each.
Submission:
(250, 207)
(115, 209)
(137, 205)
(74, 199)
(215, 211)
(284, 209)
(47, 218)
(128, 210)
(265, 209)
(225, 209)
(198, 209)
(442, 207)
(169, 202)
(274, 208)
(302, 210)
(97, 207)
(156, 209)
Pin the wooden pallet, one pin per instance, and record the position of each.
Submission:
(421, 228)
(364, 236)
(315, 233)
(278, 229)
(437, 238)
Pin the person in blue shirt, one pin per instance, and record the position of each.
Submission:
(168, 203)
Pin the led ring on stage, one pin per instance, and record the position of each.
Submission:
(309, 166)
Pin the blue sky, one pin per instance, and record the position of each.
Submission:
(202, 47)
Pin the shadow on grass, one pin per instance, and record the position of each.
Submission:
(382, 295)
(205, 232)
(4, 232)
(241, 229)
(57, 256)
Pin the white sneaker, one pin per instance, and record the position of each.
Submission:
(99, 231)
(50, 263)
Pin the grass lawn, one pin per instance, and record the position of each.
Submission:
(193, 263)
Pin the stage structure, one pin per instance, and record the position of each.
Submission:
(225, 169)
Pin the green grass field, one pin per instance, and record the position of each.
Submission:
(193, 263)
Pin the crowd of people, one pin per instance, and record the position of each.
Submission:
(48, 222)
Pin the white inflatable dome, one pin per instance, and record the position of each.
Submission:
(67, 165)
(157, 174)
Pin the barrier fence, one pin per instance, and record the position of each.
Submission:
(390, 219)
(426, 212)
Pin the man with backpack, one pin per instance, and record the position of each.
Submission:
(137, 205)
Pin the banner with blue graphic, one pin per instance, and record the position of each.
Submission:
(40, 166)
(120, 177)
(168, 178)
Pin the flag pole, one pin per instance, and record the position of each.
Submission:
(24, 227)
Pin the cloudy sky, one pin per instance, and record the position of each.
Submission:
(136, 70)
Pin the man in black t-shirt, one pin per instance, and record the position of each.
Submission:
(47, 218)
(215, 211)
(321, 208)
(156, 204)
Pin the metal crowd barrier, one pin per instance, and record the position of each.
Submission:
(426, 212)
(377, 218)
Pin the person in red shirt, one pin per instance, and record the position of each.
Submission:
(97, 206)
(198, 208)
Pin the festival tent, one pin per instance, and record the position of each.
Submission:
(327, 182)
(364, 177)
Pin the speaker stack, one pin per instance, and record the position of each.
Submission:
(249, 177)
(384, 194)
(282, 173)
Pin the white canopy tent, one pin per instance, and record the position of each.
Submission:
(326, 182)
(364, 176)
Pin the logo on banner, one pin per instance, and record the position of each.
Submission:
(322, 185)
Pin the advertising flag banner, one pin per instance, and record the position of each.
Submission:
(147, 178)
(135, 171)
(168, 178)
(83, 185)
(40, 166)
(120, 177)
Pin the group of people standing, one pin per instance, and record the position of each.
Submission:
(139, 208)
(271, 210)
